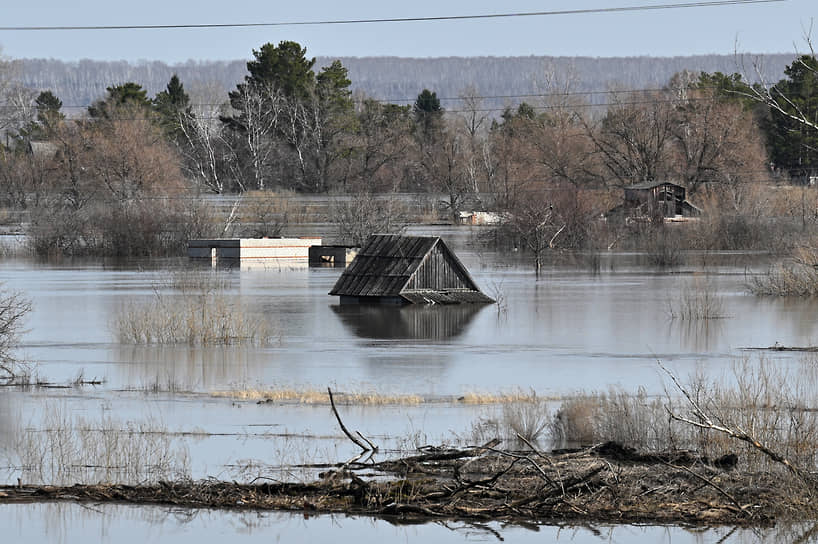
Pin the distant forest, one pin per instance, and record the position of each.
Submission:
(395, 79)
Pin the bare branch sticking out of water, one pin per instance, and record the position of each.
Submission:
(365, 447)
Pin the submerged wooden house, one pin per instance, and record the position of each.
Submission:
(394, 269)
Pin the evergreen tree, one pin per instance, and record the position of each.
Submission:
(428, 113)
(173, 107)
(284, 67)
(332, 85)
(128, 96)
(48, 120)
(793, 145)
(48, 109)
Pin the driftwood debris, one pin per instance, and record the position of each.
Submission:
(598, 484)
(780, 347)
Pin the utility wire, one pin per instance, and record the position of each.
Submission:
(620, 9)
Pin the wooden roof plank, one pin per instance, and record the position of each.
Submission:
(387, 263)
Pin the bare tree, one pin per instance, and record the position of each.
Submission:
(14, 307)
(473, 122)
(715, 142)
(443, 160)
(377, 145)
(261, 110)
(771, 95)
(263, 214)
(366, 213)
(6, 110)
(203, 145)
(531, 220)
(633, 139)
(314, 131)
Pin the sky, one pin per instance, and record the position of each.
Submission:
(749, 28)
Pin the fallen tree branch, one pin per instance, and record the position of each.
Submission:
(364, 447)
(712, 484)
(707, 423)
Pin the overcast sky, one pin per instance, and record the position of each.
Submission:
(756, 28)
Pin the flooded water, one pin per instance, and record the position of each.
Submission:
(588, 323)
(73, 523)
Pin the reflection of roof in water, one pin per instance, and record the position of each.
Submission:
(418, 269)
(407, 322)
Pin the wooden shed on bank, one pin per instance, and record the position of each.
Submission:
(394, 269)
(658, 199)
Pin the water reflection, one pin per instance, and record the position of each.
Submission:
(426, 322)
(188, 368)
(124, 524)
(698, 335)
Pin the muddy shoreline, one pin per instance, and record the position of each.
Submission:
(607, 483)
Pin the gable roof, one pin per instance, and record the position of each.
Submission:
(387, 264)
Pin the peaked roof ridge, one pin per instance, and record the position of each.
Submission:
(388, 263)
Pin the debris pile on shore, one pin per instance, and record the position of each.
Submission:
(605, 483)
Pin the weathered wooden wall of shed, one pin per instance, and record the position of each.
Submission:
(438, 272)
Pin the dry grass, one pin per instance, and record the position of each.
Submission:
(191, 309)
(516, 414)
(71, 449)
(797, 276)
(315, 396)
(319, 396)
(519, 395)
(633, 419)
(777, 407)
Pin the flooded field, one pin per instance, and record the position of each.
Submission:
(588, 323)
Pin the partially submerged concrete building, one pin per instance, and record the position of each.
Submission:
(243, 251)
(394, 269)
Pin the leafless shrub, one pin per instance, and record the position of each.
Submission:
(14, 307)
(199, 314)
(796, 276)
(365, 214)
(528, 418)
(774, 406)
(70, 449)
(633, 419)
(265, 214)
(785, 280)
(664, 247)
(523, 414)
(695, 302)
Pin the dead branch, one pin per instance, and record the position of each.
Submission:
(364, 447)
(739, 434)
(533, 463)
(712, 484)
(554, 238)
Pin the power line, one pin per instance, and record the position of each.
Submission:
(319, 22)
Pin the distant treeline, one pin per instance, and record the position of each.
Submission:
(397, 79)
(512, 137)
